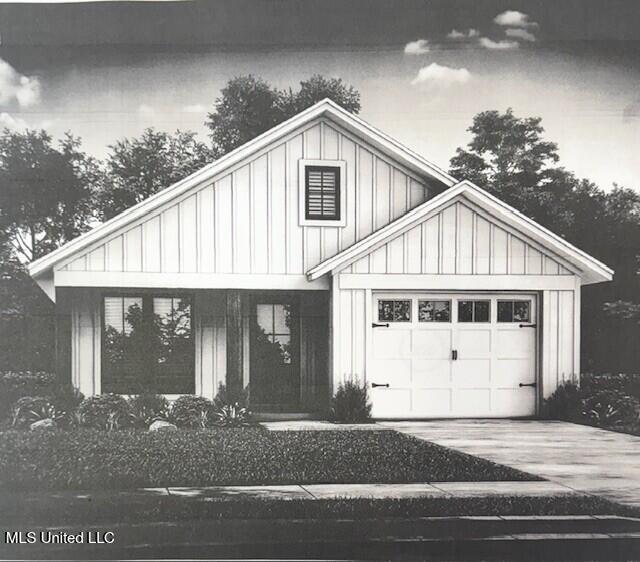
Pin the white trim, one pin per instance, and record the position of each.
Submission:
(592, 270)
(186, 280)
(302, 192)
(402, 282)
(325, 108)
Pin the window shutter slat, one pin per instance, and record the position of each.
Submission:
(322, 193)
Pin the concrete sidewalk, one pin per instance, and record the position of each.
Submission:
(312, 491)
(378, 491)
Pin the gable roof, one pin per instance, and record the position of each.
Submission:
(323, 109)
(591, 270)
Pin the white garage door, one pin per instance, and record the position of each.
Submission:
(453, 355)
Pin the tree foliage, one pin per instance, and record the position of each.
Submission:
(249, 106)
(509, 157)
(46, 191)
(47, 194)
(139, 167)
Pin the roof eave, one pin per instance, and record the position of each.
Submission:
(592, 270)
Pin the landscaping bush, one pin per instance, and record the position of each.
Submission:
(607, 401)
(104, 411)
(351, 403)
(622, 382)
(190, 411)
(15, 385)
(609, 408)
(30, 409)
(227, 413)
(144, 409)
(564, 404)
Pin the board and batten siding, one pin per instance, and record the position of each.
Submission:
(459, 240)
(246, 221)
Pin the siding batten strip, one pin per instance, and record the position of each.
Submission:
(252, 213)
(269, 213)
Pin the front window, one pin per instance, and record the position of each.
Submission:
(147, 345)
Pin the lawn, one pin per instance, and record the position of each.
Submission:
(91, 459)
(65, 510)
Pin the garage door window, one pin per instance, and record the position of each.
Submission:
(514, 311)
(434, 311)
(473, 311)
(394, 311)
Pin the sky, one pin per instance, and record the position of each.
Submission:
(424, 68)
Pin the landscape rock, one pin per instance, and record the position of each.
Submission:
(161, 425)
(46, 423)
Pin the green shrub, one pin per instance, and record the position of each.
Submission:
(608, 408)
(15, 385)
(222, 397)
(66, 398)
(601, 400)
(144, 409)
(564, 404)
(622, 382)
(30, 409)
(351, 403)
(104, 411)
(190, 411)
(231, 415)
(228, 413)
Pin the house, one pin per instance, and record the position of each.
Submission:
(320, 251)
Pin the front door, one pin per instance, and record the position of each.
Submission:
(274, 356)
(453, 355)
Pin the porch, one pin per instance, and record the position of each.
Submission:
(272, 344)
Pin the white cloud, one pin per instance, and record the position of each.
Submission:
(417, 47)
(146, 110)
(513, 18)
(469, 34)
(498, 45)
(519, 33)
(9, 122)
(196, 108)
(438, 75)
(15, 86)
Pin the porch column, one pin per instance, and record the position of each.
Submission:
(234, 343)
(63, 337)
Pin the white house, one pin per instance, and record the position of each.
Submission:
(320, 251)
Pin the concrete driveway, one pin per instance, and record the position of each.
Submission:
(584, 458)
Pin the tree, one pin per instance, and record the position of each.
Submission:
(316, 89)
(46, 193)
(139, 167)
(249, 106)
(509, 157)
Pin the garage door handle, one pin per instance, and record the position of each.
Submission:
(527, 325)
(532, 384)
(376, 385)
(376, 325)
